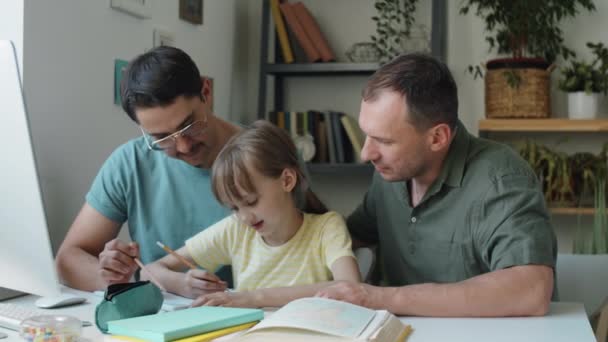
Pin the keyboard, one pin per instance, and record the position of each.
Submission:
(11, 315)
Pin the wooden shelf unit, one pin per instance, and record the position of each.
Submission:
(321, 69)
(571, 211)
(548, 126)
(543, 125)
(272, 68)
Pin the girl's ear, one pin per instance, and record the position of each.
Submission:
(289, 179)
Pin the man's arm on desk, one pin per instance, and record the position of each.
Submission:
(91, 257)
(516, 291)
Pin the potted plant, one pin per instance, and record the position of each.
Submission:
(591, 172)
(554, 171)
(584, 82)
(577, 180)
(528, 31)
(393, 26)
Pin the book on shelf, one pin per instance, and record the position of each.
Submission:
(281, 30)
(331, 141)
(175, 325)
(349, 150)
(281, 120)
(331, 132)
(336, 132)
(302, 38)
(293, 124)
(320, 137)
(320, 319)
(313, 31)
(299, 54)
(355, 135)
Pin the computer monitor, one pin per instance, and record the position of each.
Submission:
(26, 259)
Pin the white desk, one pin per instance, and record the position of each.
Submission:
(566, 322)
(85, 312)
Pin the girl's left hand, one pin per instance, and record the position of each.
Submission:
(231, 299)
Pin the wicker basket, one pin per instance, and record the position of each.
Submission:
(530, 100)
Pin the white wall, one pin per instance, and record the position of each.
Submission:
(69, 50)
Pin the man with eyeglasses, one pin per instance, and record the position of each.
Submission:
(158, 183)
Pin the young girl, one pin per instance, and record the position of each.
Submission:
(279, 249)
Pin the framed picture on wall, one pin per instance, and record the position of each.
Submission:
(191, 11)
(136, 8)
(119, 68)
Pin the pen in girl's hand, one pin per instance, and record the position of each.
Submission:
(184, 260)
(179, 257)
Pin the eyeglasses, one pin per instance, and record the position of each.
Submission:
(193, 130)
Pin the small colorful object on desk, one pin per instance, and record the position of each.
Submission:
(51, 328)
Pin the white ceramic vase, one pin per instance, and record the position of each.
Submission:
(582, 105)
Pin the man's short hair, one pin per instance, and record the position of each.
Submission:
(426, 84)
(157, 78)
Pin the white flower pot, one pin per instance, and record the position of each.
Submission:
(582, 105)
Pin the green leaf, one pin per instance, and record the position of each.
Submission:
(527, 27)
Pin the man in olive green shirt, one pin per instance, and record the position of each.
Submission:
(460, 222)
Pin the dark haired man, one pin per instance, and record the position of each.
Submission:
(460, 222)
(159, 183)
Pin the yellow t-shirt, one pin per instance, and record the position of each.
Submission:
(305, 259)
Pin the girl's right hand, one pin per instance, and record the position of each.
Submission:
(200, 282)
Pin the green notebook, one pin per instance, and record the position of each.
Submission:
(167, 326)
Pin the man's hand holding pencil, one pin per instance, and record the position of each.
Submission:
(116, 264)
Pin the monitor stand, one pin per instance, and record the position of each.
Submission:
(7, 293)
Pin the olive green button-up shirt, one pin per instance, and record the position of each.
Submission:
(484, 212)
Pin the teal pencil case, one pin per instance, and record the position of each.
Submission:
(127, 300)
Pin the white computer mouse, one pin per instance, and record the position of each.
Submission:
(63, 299)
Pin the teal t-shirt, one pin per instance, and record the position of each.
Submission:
(161, 198)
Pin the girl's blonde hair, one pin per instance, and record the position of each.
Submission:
(269, 150)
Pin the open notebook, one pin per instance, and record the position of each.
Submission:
(319, 319)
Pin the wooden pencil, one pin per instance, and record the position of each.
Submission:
(182, 259)
(149, 274)
(179, 257)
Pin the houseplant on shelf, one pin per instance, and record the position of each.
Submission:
(393, 24)
(528, 31)
(569, 180)
(576, 180)
(592, 172)
(584, 82)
